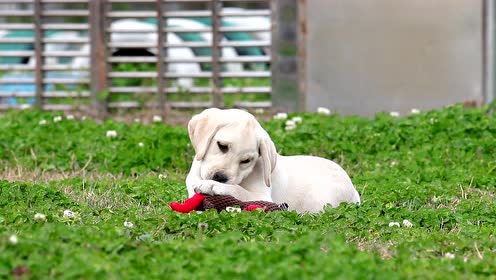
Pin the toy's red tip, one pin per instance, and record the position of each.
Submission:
(189, 205)
(252, 207)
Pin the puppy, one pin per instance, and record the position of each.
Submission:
(235, 156)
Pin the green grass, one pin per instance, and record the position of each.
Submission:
(435, 169)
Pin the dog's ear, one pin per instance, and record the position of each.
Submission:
(202, 128)
(269, 155)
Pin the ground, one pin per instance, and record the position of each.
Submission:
(75, 203)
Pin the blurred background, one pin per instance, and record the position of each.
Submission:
(109, 57)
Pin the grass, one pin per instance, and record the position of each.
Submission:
(435, 169)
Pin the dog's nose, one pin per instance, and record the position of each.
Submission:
(219, 177)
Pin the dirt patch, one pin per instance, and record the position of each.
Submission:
(107, 199)
(385, 250)
(35, 176)
(172, 117)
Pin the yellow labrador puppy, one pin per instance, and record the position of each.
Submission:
(235, 156)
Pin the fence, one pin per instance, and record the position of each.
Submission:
(108, 55)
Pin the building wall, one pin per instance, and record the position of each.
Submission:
(367, 56)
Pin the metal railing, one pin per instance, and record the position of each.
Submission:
(107, 54)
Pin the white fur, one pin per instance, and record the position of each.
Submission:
(305, 183)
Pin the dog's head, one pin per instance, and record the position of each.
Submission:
(230, 143)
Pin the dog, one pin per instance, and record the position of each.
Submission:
(235, 156)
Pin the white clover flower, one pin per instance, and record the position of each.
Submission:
(13, 239)
(290, 126)
(162, 176)
(407, 223)
(202, 226)
(137, 120)
(40, 217)
(57, 119)
(70, 117)
(25, 106)
(233, 209)
(42, 122)
(449, 256)
(68, 214)
(259, 111)
(140, 144)
(297, 119)
(128, 224)
(281, 116)
(111, 133)
(157, 118)
(415, 111)
(394, 114)
(394, 224)
(323, 111)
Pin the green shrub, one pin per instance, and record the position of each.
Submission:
(435, 169)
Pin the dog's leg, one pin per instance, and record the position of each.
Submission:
(195, 184)
(193, 177)
(215, 188)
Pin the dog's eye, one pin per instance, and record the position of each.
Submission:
(245, 161)
(222, 147)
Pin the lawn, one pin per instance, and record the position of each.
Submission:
(427, 183)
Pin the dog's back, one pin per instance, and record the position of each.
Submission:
(308, 183)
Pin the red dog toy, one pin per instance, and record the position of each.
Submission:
(201, 202)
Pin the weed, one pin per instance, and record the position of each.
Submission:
(434, 169)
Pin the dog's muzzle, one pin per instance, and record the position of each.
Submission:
(220, 177)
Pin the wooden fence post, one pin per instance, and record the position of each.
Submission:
(161, 69)
(38, 49)
(288, 55)
(488, 55)
(218, 98)
(98, 56)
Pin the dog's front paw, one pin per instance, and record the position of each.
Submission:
(205, 187)
(210, 187)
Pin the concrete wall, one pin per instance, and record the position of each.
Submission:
(366, 56)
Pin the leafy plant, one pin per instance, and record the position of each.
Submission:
(436, 170)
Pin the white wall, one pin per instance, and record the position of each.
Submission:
(366, 56)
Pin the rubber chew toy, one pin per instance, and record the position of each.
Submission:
(202, 202)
